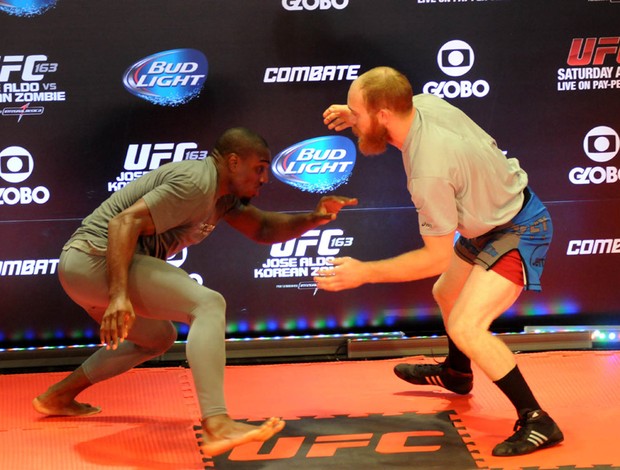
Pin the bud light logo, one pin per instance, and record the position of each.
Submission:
(168, 78)
(316, 165)
(26, 7)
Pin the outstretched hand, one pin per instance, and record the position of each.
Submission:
(329, 207)
(345, 273)
(338, 117)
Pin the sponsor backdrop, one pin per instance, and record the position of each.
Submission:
(92, 98)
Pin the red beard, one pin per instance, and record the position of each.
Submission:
(374, 142)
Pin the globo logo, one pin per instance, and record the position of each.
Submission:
(316, 165)
(168, 78)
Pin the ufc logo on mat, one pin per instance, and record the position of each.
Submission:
(410, 440)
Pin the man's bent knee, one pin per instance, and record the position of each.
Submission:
(444, 298)
(462, 332)
(211, 301)
(210, 306)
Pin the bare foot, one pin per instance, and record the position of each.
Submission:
(47, 405)
(221, 433)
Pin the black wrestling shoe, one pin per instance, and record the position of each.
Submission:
(436, 374)
(536, 430)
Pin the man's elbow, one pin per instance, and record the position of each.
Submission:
(129, 222)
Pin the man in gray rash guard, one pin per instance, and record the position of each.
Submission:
(114, 266)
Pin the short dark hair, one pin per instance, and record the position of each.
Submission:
(241, 141)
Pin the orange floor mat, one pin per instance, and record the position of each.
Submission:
(336, 412)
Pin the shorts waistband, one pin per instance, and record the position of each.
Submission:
(527, 195)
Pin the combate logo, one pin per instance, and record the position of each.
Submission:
(26, 7)
(316, 165)
(168, 78)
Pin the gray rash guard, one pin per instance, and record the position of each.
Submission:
(181, 198)
(457, 176)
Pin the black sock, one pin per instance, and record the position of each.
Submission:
(518, 392)
(456, 360)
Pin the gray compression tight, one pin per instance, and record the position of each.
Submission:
(160, 293)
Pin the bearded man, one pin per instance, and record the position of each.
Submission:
(460, 181)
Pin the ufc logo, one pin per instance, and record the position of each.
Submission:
(410, 440)
(30, 67)
(327, 446)
(328, 243)
(152, 156)
(593, 51)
